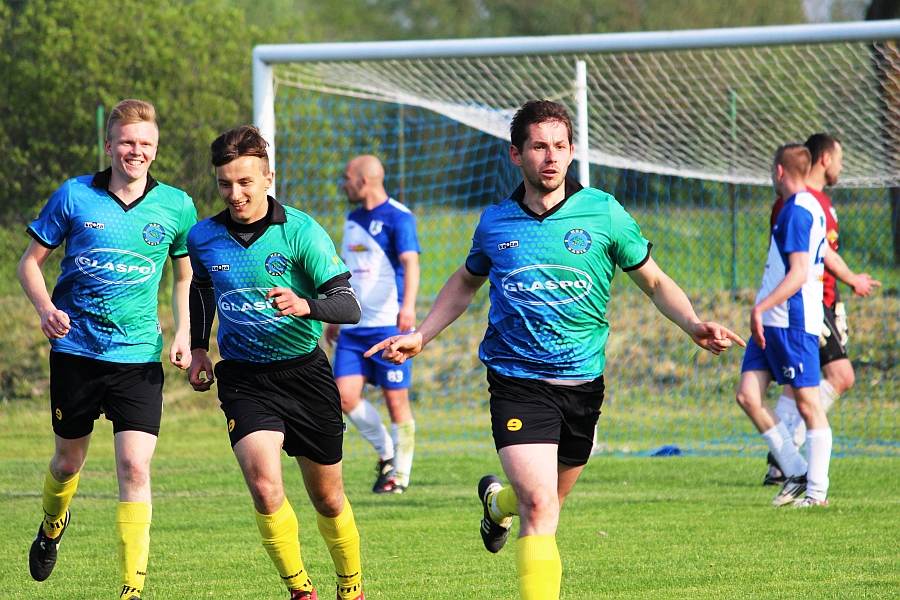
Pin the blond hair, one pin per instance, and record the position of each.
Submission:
(795, 159)
(130, 111)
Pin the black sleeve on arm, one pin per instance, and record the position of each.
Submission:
(202, 306)
(339, 304)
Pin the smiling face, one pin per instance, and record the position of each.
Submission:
(243, 185)
(545, 156)
(132, 149)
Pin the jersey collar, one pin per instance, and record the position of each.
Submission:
(101, 181)
(276, 215)
(518, 196)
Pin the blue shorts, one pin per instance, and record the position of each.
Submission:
(791, 356)
(349, 359)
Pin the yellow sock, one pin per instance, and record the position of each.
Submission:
(342, 539)
(280, 537)
(133, 527)
(539, 567)
(56, 499)
(505, 502)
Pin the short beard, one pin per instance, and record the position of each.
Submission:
(538, 184)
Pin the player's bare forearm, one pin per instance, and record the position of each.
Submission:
(791, 283)
(452, 301)
(31, 277)
(181, 286)
(406, 320)
(837, 267)
(55, 323)
(665, 294)
(862, 283)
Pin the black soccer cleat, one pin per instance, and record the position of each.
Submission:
(384, 481)
(493, 534)
(794, 487)
(774, 474)
(42, 555)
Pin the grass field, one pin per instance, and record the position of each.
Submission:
(635, 527)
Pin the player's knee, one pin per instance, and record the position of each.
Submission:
(328, 503)
(842, 381)
(746, 401)
(133, 473)
(65, 466)
(348, 404)
(268, 495)
(539, 505)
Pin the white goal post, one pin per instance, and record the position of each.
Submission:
(708, 104)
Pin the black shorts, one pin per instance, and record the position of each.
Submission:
(297, 397)
(531, 411)
(832, 350)
(130, 394)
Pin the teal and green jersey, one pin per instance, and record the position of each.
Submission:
(114, 257)
(549, 279)
(293, 251)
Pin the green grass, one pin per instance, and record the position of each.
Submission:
(688, 527)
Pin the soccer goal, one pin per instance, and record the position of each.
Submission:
(680, 126)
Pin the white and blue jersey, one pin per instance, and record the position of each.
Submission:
(800, 228)
(373, 242)
(792, 328)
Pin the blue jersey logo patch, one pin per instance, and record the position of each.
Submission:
(154, 234)
(577, 241)
(276, 264)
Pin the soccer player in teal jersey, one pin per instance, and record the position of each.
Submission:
(550, 252)
(273, 275)
(118, 226)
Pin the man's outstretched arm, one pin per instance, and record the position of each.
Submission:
(672, 302)
(452, 301)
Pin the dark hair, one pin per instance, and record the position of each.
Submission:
(820, 143)
(794, 158)
(533, 112)
(245, 140)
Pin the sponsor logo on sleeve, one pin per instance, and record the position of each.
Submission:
(507, 245)
(94, 225)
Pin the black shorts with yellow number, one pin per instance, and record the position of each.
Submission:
(297, 397)
(130, 394)
(531, 411)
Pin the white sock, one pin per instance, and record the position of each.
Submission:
(818, 450)
(786, 409)
(827, 395)
(785, 453)
(367, 420)
(404, 435)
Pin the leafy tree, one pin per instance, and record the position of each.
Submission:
(61, 58)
